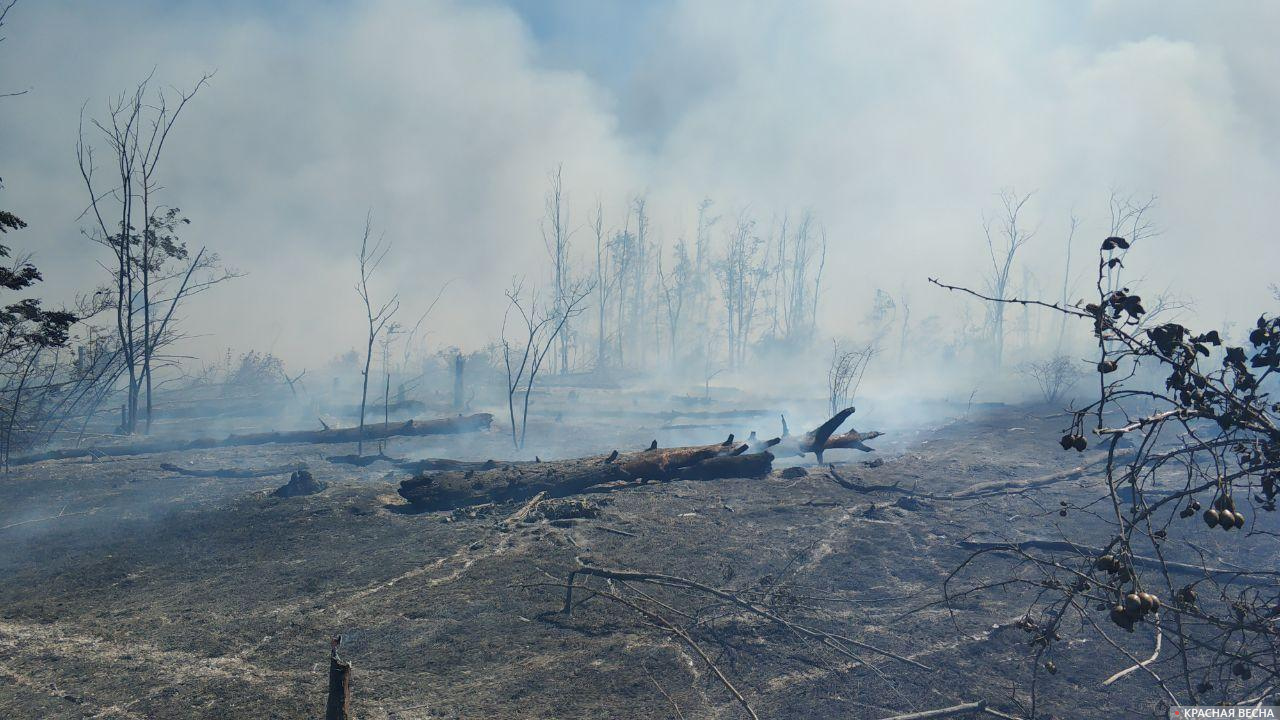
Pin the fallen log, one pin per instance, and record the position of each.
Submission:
(233, 472)
(408, 428)
(416, 466)
(516, 482)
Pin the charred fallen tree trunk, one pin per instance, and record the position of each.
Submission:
(419, 466)
(408, 428)
(520, 481)
(822, 438)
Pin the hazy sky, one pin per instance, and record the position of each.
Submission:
(895, 122)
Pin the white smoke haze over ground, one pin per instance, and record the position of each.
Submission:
(896, 124)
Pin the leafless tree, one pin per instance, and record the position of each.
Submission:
(800, 258)
(741, 273)
(152, 271)
(676, 286)
(555, 236)
(844, 374)
(1066, 282)
(539, 328)
(1005, 237)
(603, 284)
(1055, 377)
(4, 11)
(378, 316)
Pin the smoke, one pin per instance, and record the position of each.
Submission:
(895, 123)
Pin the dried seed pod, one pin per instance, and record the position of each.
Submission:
(1226, 520)
(1080, 444)
(1195, 504)
(1155, 603)
(1211, 517)
(1067, 441)
(1062, 512)
(1133, 604)
(1148, 601)
(1121, 618)
(1239, 520)
(1106, 562)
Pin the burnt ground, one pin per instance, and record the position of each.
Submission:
(130, 592)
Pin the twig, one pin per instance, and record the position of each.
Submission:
(524, 510)
(1260, 577)
(1144, 663)
(61, 514)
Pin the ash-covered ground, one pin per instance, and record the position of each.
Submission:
(133, 592)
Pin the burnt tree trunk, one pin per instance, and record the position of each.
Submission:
(338, 706)
(821, 439)
(444, 426)
(458, 364)
(514, 482)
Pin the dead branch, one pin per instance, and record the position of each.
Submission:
(1238, 576)
(832, 641)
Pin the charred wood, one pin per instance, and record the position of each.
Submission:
(408, 428)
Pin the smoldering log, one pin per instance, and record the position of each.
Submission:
(516, 482)
(822, 438)
(852, 440)
(379, 431)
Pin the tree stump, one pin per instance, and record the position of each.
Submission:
(339, 705)
(300, 483)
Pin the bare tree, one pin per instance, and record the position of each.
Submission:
(555, 236)
(1055, 377)
(1066, 282)
(1005, 237)
(844, 374)
(676, 288)
(378, 317)
(4, 11)
(741, 272)
(801, 256)
(603, 283)
(539, 329)
(148, 261)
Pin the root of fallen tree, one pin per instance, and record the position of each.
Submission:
(408, 428)
(822, 438)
